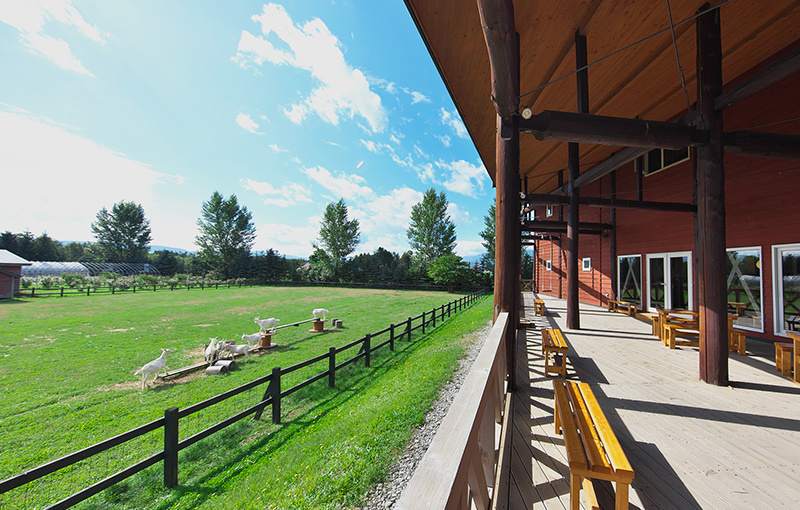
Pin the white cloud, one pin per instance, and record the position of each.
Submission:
(417, 97)
(285, 196)
(444, 139)
(287, 239)
(61, 180)
(29, 18)
(276, 148)
(464, 178)
(454, 122)
(346, 186)
(245, 122)
(457, 214)
(394, 139)
(341, 91)
(469, 248)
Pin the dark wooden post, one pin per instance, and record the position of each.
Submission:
(612, 241)
(710, 227)
(573, 169)
(171, 447)
(275, 386)
(332, 367)
(560, 242)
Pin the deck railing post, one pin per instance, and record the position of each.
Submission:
(171, 447)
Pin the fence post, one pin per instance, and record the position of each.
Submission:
(62, 291)
(171, 447)
(154, 288)
(408, 327)
(433, 313)
(275, 384)
(88, 290)
(332, 367)
(367, 349)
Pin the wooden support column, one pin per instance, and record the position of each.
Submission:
(560, 241)
(573, 171)
(710, 226)
(497, 20)
(612, 240)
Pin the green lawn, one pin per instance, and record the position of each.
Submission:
(66, 373)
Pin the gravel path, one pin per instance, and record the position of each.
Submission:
(384, 495)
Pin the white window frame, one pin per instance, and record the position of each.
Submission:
(586, 264)
(761, 268)
(777, 286)
(667, 277)
(548, 265)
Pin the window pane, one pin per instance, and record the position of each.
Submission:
(744, 286)
(791, 289)
(656, 275)
(630, 277)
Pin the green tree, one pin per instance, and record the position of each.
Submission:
(431, 233)
(338, 235)
(449, 270)
(45, 248)
(226, 235)
(123, 235)
(488, 235)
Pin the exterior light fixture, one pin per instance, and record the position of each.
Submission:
(527, 113)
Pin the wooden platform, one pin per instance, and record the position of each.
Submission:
(691, 445)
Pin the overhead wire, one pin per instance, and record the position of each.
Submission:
(678, 58)
(625, 48)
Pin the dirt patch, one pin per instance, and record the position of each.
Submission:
(205, 325)
(121, 330)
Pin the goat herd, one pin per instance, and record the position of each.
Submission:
(216, 348)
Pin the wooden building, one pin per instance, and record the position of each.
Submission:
(646, 151)
(663, 134)
(10, 273)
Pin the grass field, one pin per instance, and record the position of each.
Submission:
(66, 373)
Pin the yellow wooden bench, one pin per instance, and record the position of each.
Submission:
(783, 359)
(593, 451)
(626, 306)
(555, 350)
(538, 307)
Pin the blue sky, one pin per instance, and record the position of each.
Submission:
(288, 105)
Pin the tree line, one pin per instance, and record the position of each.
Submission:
(227, 235)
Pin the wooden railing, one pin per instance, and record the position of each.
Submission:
(460, 466)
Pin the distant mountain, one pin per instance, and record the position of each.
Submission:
(155, 248)
(472, 259)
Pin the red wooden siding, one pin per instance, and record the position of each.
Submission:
(762, 207)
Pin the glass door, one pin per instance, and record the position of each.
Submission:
(669, 281)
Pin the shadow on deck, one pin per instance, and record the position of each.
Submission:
(691, 444)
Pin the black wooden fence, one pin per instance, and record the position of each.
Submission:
(117, 289)
(273, 395)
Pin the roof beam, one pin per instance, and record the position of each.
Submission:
(598, 129)
(763, 145)
(549, 199)
(560, 226)
(497, 18)
(781, 68)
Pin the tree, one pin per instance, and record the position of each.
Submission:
(448, 270)
(123, 235)
(488, 235)
(338, 235)
(226, 235)
(431, 232)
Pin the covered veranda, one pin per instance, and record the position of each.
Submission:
(691, 444)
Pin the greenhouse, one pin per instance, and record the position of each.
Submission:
(86, 268)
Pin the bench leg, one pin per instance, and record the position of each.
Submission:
(574, 492)
(621, 502)
(671, 333)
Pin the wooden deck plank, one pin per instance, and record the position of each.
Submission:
(692, 445)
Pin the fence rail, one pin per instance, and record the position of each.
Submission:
(272, 397)
(91, 290)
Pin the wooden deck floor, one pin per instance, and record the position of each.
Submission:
(691, 444)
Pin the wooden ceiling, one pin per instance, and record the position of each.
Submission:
(633, 70)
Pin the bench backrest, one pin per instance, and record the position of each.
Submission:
(591, 444)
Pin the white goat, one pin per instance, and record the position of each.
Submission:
(154, 367)
(212, 350)
(253, 339)
(267, 324)
(319, 311)
(237, 349)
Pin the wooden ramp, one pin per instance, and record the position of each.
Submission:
(691, 445)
